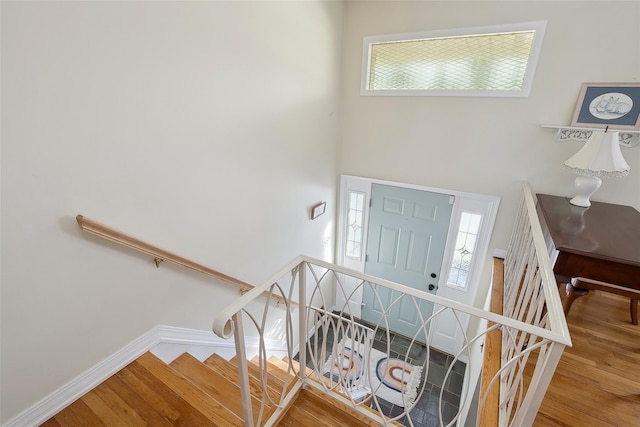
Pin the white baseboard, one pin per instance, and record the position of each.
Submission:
(164, 340)
(68, 393)
(174, 341)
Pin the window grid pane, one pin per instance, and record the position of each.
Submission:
(464, 249)
(472, 62)
(355, 219)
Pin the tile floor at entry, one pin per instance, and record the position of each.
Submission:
(425, 413)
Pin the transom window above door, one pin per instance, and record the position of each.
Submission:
(486, 61)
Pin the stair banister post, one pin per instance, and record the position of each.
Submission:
(302, 313)
(538, 386)
(243, 370)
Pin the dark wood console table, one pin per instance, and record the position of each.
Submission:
(598, 247)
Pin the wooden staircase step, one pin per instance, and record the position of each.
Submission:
(145, 392)
(343, 407)
(310, 372)
(76, 414)
(211, 382)
(221, 366)
(153, 405)
(282, 366)
(112, 408)
(217, 386)
(284, 362)
(312, 408)
(148, 392)
(212, 410)
(276, 374)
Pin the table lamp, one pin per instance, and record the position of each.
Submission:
(600, 157)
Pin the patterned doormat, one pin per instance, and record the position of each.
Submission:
(391, 379)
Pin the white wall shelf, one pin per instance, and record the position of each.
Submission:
(628, 138)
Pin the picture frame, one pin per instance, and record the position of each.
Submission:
(318, 210)
(602, 105)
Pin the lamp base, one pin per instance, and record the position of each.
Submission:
(585, 187)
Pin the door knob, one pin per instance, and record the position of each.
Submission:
(433, 275)
(431, 286)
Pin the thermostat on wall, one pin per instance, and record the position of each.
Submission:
(318, 210)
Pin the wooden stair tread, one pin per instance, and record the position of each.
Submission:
(188, 392)
(276, 372)
(311, 375)
(112, 408)
(217, 386)
(296, 365)
(220, 365)
(312, 395)
(145, 392)
(76, 414)
(283, 366)
(212, 410)
(275, 379)
(343, 407)
(150, 402)
(311, 408)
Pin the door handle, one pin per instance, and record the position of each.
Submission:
(432, 286)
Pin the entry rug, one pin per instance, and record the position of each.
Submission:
(391, 378)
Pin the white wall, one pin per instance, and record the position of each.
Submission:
(489, 145)
(206, 128)
(210, 129)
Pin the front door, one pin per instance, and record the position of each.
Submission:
(406, 240)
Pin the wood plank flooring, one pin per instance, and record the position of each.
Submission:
(597, 382)
(190, 393)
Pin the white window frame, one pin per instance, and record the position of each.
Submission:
(537, 26)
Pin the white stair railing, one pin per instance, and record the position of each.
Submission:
(531, 296)
(338, 348)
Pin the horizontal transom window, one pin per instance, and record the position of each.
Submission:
(487, 61)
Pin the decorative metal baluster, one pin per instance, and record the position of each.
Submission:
(243, 370)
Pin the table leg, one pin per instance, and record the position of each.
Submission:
(580, 286)
(573, 293)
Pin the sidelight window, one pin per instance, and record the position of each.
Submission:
(465, 247)
(355, 226)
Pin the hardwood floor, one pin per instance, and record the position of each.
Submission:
(597, 382)
(190, 393)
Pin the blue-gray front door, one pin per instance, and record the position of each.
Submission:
(406, 241)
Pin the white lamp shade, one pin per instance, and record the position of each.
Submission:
(600, 156)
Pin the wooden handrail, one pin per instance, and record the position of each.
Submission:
(116, 236)
(490, 414)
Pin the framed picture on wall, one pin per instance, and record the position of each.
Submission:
(608, 104)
